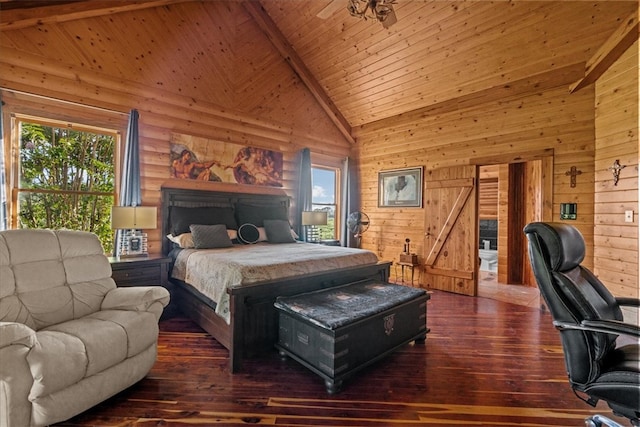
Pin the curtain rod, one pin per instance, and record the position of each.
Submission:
(77, 104)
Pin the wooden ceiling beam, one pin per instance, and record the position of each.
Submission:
(609, 52)
(273, 33)
(16, 18)
(540, 82)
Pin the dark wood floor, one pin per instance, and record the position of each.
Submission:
(485, 363)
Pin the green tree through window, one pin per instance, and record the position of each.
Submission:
(66, 180)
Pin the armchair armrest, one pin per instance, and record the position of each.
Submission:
(137, 298)
(613, 327)
(12, 333)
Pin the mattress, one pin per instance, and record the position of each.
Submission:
(213, 271)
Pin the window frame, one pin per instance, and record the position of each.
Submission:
(337, 196)
(15, 164)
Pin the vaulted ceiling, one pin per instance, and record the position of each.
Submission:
(438, 52)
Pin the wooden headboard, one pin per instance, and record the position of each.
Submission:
(192, 198)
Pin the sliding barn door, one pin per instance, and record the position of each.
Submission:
(450, 242)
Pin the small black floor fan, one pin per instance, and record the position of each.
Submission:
(358, 223)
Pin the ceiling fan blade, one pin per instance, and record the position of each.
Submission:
(330, 9)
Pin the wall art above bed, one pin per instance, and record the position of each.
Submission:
(208, 160)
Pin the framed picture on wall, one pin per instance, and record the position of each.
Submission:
(400, 187)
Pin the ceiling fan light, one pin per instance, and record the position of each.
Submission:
(383, 11)
(380, 10)
(358, 8)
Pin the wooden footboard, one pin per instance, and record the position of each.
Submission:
(254, 319)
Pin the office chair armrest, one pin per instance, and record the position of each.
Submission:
(613, 327)
(628, 302)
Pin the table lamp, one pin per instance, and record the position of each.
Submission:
(311, 219)
(133, 219)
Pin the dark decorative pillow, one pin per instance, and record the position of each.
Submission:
(278, 231)
(210, 236)
(254, 214)
(181, 218)
(248, 234)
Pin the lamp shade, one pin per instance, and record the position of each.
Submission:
(134, 217)
(314, 218)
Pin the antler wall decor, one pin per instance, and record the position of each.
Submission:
(615, 169)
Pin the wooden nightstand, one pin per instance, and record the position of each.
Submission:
(409, 261)
(141, 271)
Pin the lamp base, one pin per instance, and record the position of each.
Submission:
(312, 234)
(133, 256)
(133, 244)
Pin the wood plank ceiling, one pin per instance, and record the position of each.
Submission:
(438, 51)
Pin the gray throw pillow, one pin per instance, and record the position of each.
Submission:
(278, 231)
(210, 236)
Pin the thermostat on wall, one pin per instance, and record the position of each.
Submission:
(568, 211)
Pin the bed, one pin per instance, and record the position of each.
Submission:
(230, 290)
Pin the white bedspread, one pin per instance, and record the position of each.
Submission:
(213, 271)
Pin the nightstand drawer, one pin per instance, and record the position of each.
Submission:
(143, 275)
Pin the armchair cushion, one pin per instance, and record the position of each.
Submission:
(12, 333)
(138, 298)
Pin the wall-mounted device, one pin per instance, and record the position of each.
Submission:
(568, 211)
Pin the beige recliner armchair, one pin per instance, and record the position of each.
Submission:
(69, 338)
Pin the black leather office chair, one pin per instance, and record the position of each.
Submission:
(590, 323)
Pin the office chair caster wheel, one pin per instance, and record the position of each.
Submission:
(600, 421)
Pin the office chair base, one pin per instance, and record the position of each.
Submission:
(600, 421)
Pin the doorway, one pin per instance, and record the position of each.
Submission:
(451, 240)
(510, 195)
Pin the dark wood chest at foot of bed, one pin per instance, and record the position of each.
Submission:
(338, 332)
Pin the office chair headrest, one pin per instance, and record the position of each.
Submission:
(562, 244)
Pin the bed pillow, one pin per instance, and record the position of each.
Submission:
(262, 234)
(181, 218)
(248, 234)
(210, 236)
(278, 231)
(184, 240)
(253, 214)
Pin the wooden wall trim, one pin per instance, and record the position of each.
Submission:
(542, 81)
(524, 156)
(224, 187)
(13, 19)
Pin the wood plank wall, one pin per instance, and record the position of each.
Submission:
(616, 241)
(155, 129)
(278, 112)
(491, 132)
(488, 192)
(253, 98)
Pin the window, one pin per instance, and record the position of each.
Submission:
(325, 183)
(64, 177)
